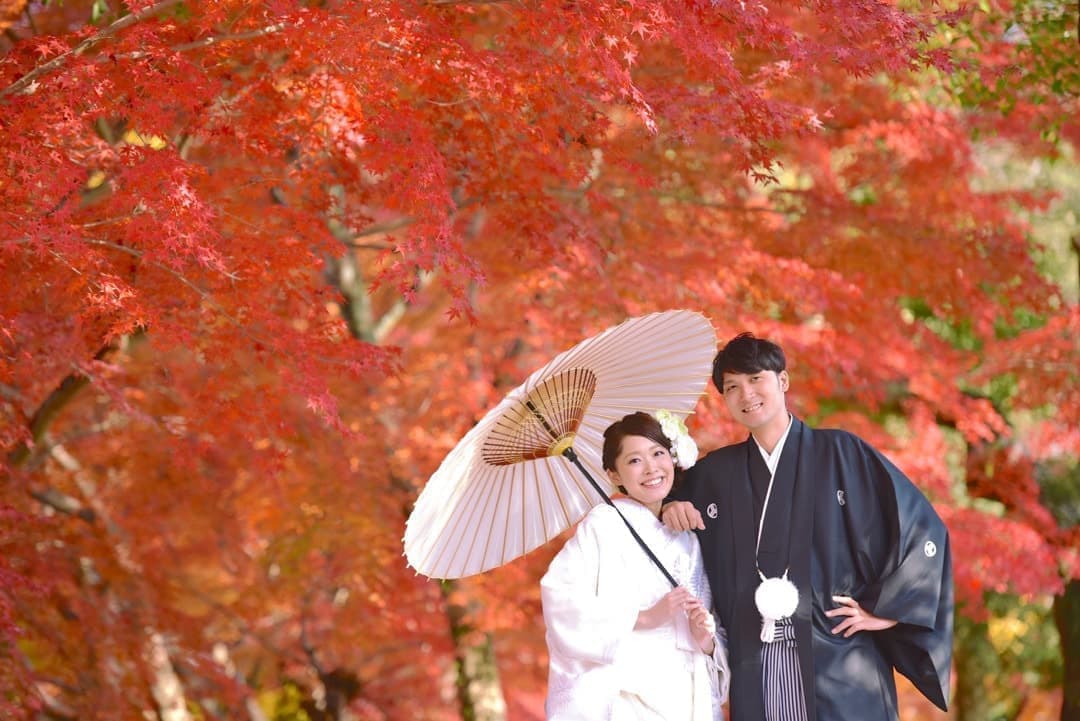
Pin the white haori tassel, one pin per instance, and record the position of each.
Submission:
(776, 599)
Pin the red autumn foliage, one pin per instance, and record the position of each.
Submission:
(266, 262)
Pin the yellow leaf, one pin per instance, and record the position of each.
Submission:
(134, 137)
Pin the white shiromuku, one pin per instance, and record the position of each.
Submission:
(600, 667)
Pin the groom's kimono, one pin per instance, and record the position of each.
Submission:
(846, 522)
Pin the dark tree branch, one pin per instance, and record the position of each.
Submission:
(63, 503)
(28, 82)
(47, 411)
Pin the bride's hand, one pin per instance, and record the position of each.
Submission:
(702, 626)
(663, 611)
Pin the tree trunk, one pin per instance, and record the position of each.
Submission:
(479, 690)
(1067, 620)
(476, 674)
(166, 689)
(975, 661)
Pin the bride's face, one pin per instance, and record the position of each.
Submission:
(645, 469)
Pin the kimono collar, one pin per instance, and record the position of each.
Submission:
(772, 459)
(643, 519)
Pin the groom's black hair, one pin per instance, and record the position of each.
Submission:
(746, 353)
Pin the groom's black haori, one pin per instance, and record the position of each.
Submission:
(844, 521)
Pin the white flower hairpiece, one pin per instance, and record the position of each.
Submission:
(684, 451)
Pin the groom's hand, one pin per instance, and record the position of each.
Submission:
(681, 516)
(856, 618)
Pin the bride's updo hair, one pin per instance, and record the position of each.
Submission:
(635, 424)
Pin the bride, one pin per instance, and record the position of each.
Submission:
(622, 644)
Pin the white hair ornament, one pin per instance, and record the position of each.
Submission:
(684, 451)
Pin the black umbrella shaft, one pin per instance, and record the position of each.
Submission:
(573, 458)
(547, 426)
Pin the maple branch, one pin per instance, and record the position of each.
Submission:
(30, 79)
(388, 226)
(206, 295)
(344, 275)
(367, 246)
(396, 224)
(1076, 238)
(141, 256)
(249, 35)
(202, 293)
(122, 541)
(701, 202)
(30, 19)
(63, 503)
(203, 43)
(165, 686)
(11, 393)
(243, 625)
(43, 416)
(391, 317)
(309, 650)
(473, 2)
(452, 103)
(54, 708)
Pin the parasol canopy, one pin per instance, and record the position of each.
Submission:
(527, 471)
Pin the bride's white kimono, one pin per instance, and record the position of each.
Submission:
(600, 668)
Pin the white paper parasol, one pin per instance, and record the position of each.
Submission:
(531, 467)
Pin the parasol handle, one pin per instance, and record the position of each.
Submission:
(573, 458)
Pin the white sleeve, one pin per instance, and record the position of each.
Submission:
(699, 586)
(587, 607)
(720, 662)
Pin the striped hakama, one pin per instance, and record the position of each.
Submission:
(781, 680)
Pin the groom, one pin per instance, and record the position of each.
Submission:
(852, 561)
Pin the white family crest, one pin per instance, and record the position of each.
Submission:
(930, 549)
(840, 498)
(712, 511)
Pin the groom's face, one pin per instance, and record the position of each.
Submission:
(756, 400)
